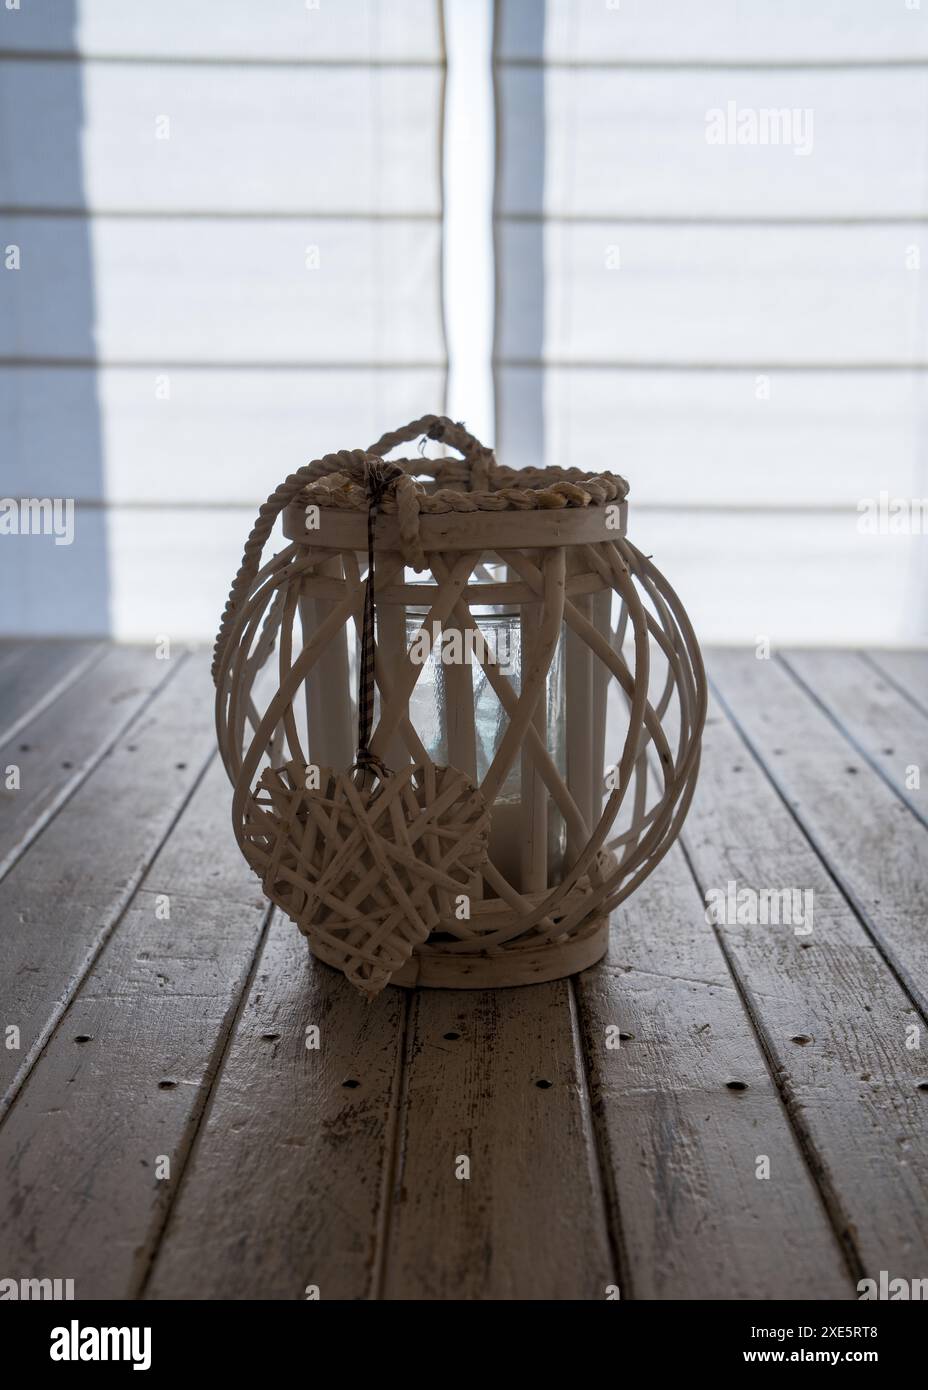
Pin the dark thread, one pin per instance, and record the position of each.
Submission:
(380, 477)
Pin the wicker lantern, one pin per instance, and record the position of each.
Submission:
(482, 728)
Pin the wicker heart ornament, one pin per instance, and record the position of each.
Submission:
(366, 874)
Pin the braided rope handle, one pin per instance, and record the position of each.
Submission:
(281, 497)
(479, 462)
(352, 464)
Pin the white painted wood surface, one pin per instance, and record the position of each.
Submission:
(305, 1204)
(34, 674)
(876, 846)
(91, 856)
(886, 727)
(196, 436)
(495, 1078)
(728, 31)
(710, 315)
(748, 438)
(352, 31)
(61, 743)
(224, 290)
(666, 1033)
(862, 152)
(713, 295)
(829, 1009)
(295, 1166)
(158, 1003)
(908, 671)
(214, 205)
(788, 576)
(237, 139)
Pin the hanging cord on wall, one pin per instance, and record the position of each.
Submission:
(379, 477)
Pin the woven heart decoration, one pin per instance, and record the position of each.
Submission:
(366, 874)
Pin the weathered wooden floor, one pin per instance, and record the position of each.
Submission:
(153, 1012)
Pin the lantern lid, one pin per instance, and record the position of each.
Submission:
(459, 503)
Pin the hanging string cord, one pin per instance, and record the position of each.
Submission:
(379, 478)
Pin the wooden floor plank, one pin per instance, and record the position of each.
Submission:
(55, 750)
(683, 1139)
(907, 670)
(122, 1081)
(834, 1019)
(884, 726)
(11, 650)
(62, 898)
(284, 1189)
(291, 1167)
(495, 1077)
(34, 674)
(871, 842)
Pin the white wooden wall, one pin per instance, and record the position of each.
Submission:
(738, 329)
(195, 316)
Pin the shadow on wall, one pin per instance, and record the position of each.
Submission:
(50, 431)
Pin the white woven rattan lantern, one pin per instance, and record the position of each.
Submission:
(463, 802)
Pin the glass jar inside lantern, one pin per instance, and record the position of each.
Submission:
(438, 706)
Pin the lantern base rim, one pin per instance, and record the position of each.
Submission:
(504, 969)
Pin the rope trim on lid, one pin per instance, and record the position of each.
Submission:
(475, 482)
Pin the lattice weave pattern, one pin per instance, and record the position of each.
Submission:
(372, 874)
(368, 876)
